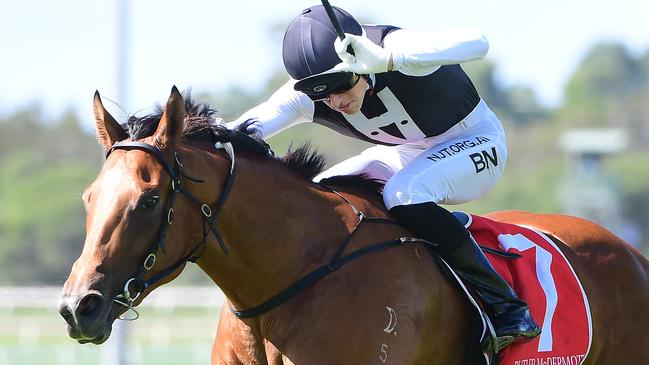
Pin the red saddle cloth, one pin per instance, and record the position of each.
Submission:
(543, 278)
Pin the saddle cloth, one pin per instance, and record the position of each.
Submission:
(543, 277)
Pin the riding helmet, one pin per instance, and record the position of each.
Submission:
(308, 47)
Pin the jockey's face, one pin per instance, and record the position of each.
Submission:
(350, 101)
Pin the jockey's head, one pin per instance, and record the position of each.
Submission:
(309, 55)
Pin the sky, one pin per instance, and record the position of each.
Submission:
(57, 53)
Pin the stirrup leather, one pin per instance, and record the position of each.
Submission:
(487, 344)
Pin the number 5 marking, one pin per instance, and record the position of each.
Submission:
(383, 353)
(543, 274)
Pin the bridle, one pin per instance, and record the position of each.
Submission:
(209, 216)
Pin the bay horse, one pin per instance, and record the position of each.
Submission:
(167, 194)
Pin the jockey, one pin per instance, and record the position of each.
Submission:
(436, 139)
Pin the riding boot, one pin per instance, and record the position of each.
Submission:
(509, 315)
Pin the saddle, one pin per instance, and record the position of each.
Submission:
(540, 274)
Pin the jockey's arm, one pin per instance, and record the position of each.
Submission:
(284, 109)
(417, 53)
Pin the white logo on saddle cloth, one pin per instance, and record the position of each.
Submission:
(543, 262)
(543, 278)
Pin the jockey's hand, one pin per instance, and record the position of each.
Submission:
(369, 58)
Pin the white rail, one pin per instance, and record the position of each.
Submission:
(163, 297)
(35, 333)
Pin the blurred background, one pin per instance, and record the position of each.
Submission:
(569, 79)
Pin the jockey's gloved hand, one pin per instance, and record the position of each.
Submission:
(369, 58)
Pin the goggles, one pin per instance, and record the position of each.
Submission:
(319, 87)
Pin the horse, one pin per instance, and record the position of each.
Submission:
(308, 269)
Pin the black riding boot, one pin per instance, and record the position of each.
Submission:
(509, 315)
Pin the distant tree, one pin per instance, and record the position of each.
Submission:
(44, 166)
(41, 221)
(518, 104)
(644, 64)
(524, 105)
(606, 77)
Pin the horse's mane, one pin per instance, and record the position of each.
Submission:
(360, 182)
(202, 125)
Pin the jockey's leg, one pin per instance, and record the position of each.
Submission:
(467, 162)
(510, 316)
(377, 162)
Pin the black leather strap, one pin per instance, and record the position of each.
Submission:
(336, 262)
(159, 155)
(314, 276)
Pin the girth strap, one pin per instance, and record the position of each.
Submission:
(334, 264)
(314, 276)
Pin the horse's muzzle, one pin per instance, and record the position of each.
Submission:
(86, 316)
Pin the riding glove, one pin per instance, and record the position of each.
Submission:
(368, 58)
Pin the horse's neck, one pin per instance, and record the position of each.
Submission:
(278, 227)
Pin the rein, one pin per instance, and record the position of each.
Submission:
(338, 261)
(209, 216)
(334, 264)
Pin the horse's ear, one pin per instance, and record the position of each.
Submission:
(171, 124)
(107, 129)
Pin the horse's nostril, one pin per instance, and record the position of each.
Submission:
(90, 305)
(67, 315)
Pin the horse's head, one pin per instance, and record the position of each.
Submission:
(129, 236)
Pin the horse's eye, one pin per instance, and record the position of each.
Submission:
(150, 201)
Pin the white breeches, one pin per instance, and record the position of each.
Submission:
(457, 166)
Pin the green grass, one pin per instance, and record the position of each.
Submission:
(32, 336)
